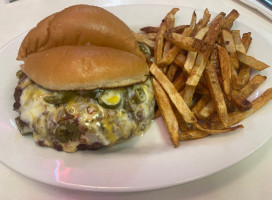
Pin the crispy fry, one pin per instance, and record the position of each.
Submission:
(240, 101)
(215, 89)
(238, 41)
(142, 39)
(171, 72)
(180, 59)
(252, 85)
(202, 22)
(177, 100)
(243, 76)
(179, 29)
(228, 41)
(193, 21)
(230, 18)
(251, 61)
(191, 56)
(192, 135)
(150, 29)
(201, 103)
(188, 43)
(225, 70)
(166, 24)
(167, 46)
(202, 58)
(238, 116)
(151, 36)
(200, 89)
(206, 111)
(166, 111)
(216, 131)
(181, 123)
(172, 53)
(246, 40)
(180, 81)
(244, 72)
(188, 93)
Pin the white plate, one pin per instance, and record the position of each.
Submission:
(142, 163)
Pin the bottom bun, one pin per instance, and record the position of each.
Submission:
(82, 122)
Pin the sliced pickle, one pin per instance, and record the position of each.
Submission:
(19, 74)
(144, 49)
(60, 98)
(22, 127)
(93, 94)
(139, 94)
(110, 99)
(66, 132)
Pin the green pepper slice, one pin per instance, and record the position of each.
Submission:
(110, 99)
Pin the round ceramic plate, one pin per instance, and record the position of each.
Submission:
(142, 163)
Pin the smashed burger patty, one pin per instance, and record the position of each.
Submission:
(78, 120)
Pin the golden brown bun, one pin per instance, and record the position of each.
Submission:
(79, 25)
(84, 68)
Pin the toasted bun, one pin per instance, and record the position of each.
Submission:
(79, 25)
(84, 68)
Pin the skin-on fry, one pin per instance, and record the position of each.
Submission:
(151, 36)
(240, 101)
(188, 43)
(246, 40)
(167, 46)
(252, 85)
(225, 70)
(191, 56)
(183, 126)
(228, 41)
(193, 21)
(179, 82)
(165, 26)
(177, 100)
(251, 61)
(244, 72)
(238, 116)
(150, 29)
(201, 103)
(188, 94)
(172, 53)
(179, 29)
(202, 22)
(192, 135)
(206, 111)
(238, 41)
(216, 131)
(230, 18)
(142, 39)
(215, 89)
(171, 72)
(180, 60)
(202, 58)
(166, 111)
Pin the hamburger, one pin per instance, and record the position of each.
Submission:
(84, 83)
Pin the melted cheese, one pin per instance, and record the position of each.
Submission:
(101, 125)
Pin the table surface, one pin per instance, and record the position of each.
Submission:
(248, 179)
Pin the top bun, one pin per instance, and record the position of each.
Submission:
(80, 25)
(84, 68)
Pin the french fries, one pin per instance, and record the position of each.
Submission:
(166, 112)
(201, 75)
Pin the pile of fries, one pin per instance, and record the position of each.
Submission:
(201, 75)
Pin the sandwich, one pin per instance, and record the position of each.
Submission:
(84, 83)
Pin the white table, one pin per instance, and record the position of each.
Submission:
(249, 179)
